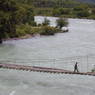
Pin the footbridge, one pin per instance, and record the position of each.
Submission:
(42, 69)
(86, 64)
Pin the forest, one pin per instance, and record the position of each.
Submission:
(17, 16)
(64, 8)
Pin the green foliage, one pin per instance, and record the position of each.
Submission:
(29, 16)
(17, 16)
(43, 11)
(12, 14)
(47, 30)
(93, 11)
(83, 13)
(81, 7)
(92, 17)
(61, 11)
(61, 22)
(93, 70)
(65, 8)
(7, 17)
(55, 12)
(46, 22)
(24, 29)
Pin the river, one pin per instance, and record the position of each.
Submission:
(44, 50)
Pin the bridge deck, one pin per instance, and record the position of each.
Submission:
(42, 69)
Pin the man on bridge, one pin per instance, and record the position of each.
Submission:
(76, 67)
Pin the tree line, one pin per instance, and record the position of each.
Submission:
(17, 19)
(12, 14)
(17, 16)
(65, 8)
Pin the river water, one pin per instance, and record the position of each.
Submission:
(43, 50)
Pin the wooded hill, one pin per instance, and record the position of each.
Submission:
(87, 1)
(66, 8)
(17, 16)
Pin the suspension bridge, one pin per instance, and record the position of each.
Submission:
(62, 65)
(42, 69)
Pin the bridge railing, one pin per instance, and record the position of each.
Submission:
(85, 63)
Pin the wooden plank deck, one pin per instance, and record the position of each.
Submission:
(42, 69)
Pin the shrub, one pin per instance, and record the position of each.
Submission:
(46, 22)
(47, 30)
(82, 14)
(61, 22)
(22, 30)
(55, 12)
(92, 17)
(32, 23)
(36, 30)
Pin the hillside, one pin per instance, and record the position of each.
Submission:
(87, 1)
(65, 8)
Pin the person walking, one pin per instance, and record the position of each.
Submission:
(76, 67)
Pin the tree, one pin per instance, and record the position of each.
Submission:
(25, 14)
(83, 13)
(13, 14)
(46, 22)
(64, 11)
(61, 22)
(93, 11)
(56, 12)
(7, 17)
(29, 15)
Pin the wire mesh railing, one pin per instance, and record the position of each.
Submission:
(85, 63)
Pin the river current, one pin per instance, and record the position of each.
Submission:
(79, 41)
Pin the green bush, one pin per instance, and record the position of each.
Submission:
(47, 30)
(93, 70)
(61, 22)
(36, 30)
(55, 12)
(22, 30)
(92, 17)
(83, 13)
(25, 29)
(46, 22)
(32, 23)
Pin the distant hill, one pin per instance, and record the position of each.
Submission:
(87, 1)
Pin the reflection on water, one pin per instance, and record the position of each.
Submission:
(79, 41)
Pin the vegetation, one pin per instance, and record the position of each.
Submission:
(46, 22)
(47, 30)
(61, 22)
(22, 30)
(93, 70)
(17, 16)
(65, 8)
(13, 14)
(7, 17)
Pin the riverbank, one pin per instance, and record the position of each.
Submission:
(27, 36)
(24, 31)
(46, 32)
(76, 12)
(49, 16)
